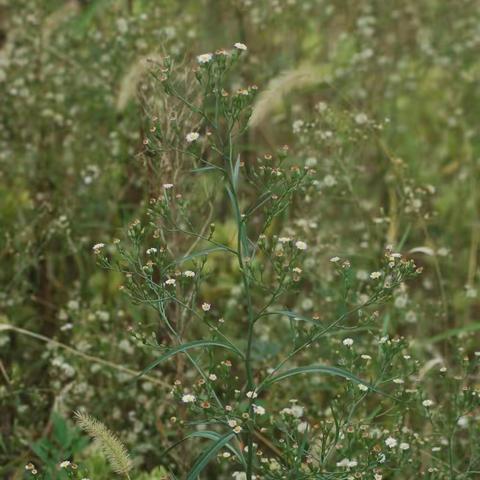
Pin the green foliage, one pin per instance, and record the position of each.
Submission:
(304, 209)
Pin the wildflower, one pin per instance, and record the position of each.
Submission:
(295, 410)
(329, 181)
(335, 259)
(188, 273)
(29, 466)
(206, 306)
(232, 423)
(361, 118)
(302, 427)
(258, 409)
(188, 398)
(348, 342)
(404, 446)
(192, 136)
(301, 245)
(97, 248)
(347, 463)
(167, 186)
(240, 46)
(170, 281)
(284, 239)
(151, 251)
(252, 394)
(391, 442)
(375, 275)
(462, 422)
(212, 377)
(365, 357)
(65, 464)
(237, 429)
(427, 403)
(363, 387)
(204, 58)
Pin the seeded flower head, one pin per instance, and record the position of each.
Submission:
(110, 445)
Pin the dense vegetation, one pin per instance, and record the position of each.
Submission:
(241, 235)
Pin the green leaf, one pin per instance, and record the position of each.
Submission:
(187, 346)
(295, 316)
(207, 455)
(211, 435)
(202, 253)
(339, 372)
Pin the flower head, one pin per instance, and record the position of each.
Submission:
(188, 398)
(204, 58)
(240, 46)
(192, 136)
(300, 245)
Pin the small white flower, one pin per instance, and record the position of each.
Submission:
(284, 239)
(295, 410)
(65, 464)
(239, 475)
(192, 136)
(98, 247)
(348, 342)
(188, 273)
(170, 281)
(206, 306)
(204, 58)
(258, 409)
(404, 446)
(212, 377)
(398, 381)
(361, 118)
(462, 422)
(237, 429)
(375, 275)
(329, 181)
(347, 463)
(302, 427)
(188, 398)
(391, 442)
(362, 387)
(151, 251)
(240, 46)
(335, 259)
(167, 186)
(300, 245)
(232, 423)
(252, 394)
(365, 357)
(427, 403)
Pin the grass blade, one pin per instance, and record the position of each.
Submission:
(207, 455)
(187, 346)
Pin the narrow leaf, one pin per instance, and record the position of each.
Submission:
(207, 455)
(202, 253)
(339, 372)
(187, 346)
(211, 435)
